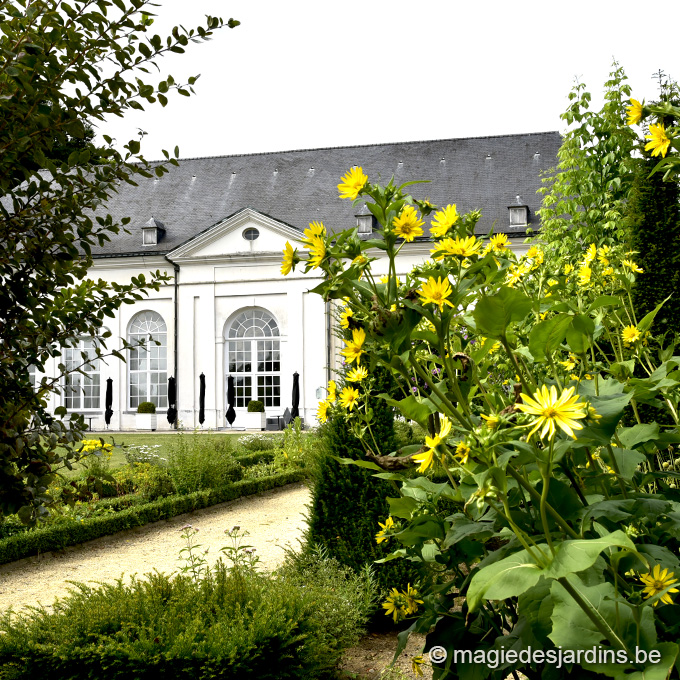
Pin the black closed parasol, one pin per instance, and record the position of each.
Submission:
(294, 412)
(109, 401)
(231, 400)
(172, 400)
(201, 399)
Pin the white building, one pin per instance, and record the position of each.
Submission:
(217, 227)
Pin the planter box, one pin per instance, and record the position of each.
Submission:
(146, 421)
(251, 421)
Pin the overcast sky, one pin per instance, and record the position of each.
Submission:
(302, 74)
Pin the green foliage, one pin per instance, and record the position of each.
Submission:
(257, 441)
(348, 502)
(227, 623)
(146, 407)
(195, 463)
(584, 199)
(249, 459)
(63, 69)
(149, 480)
(654, 220)
(255, 406)
(137, 513)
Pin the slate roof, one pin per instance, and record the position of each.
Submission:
(296, 187)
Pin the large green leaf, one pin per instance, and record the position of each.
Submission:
(412, 408)
(632, 436)
(547, 336)
(493, 314)
(579, 332)
(509, 577)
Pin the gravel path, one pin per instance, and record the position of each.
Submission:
(274, 519)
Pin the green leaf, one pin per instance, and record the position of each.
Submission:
(359, 463)
(412, 408)
(494, 314)
(638, 434)
(579, 332)
(509, 577)
(547, 336)
(402, 507)
(605, 301)
(648, 320)
(627, 461)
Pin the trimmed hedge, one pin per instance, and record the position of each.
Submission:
(256, 457)
(58, 537)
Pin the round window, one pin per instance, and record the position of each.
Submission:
(250, 234)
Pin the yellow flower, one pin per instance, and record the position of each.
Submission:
(344, 317)
(352, 183)
(382, 534)
(462, 452)
(425, 459)
(659, 140)
(633, 267)
(443, 221)
(357, 374)
(563, 411)
(465, 247)
(514, 276)
(590, 254)
(491, 421)
(499, 242)
(570, 364)
(634, 112)
(360, 260)
(603, 255)
(331, 391)
(349, 397)
(384, 279)
(315, 229)
(584, 275)
(657, 582)
(436, 292)
(322, 411)
(317, 250)
(408, 224)
(288, 259)
(608, 271)
(630, 334)
(552, 282)
(412, 600)
(568, 269)
(354, 346)
(395, 605)
(416, 663)
(536, 255)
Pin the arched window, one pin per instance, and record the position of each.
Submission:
(81, 392)
(148, 365)
(254, 357)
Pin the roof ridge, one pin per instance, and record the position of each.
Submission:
(358, 146)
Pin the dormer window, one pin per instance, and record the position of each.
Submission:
(519, 215)
(366, 224)
(152, 232)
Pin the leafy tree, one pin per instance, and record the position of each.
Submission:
(64, 67)
(584, 198)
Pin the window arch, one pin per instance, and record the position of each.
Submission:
(148, 365)
(81, 392)
(254, 357)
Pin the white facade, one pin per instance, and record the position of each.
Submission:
(214, 278)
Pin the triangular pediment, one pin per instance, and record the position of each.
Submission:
(247, 233)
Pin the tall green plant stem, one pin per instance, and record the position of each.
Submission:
(529, 387)
(545, 474)
(595, 616)
(615, 465)
(537, 496)
(441, 396)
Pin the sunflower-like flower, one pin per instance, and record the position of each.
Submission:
(416, 663)
(395, 605)
(443, 221)
(435, 292)
(462, 452)
(657, 582)
(352, 183)
(632, 266)
(386, 528)
(345, 316)
(499, 242)
(591, 253)
(550, 410)
(349, 397)
(535, 254)
(568, 269)
(659, 140)
(514, 275)
(634, 112)
(412, 600)
(354, 348)
(331, 391)
(630, 334)
(491, 421)
(464, 247)
(585, 273)
(357, 374)
(426, 457)
(322, 411)
(603, 255)
(408, 225)
(290, 259)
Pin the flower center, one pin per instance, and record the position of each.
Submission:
(549, 412)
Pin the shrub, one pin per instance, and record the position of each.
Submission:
(150, 481)
(255, 406)
(195, 463)
(230, 623)
(407, 433)
(260, 442)
(146, 407)
(256, 457)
